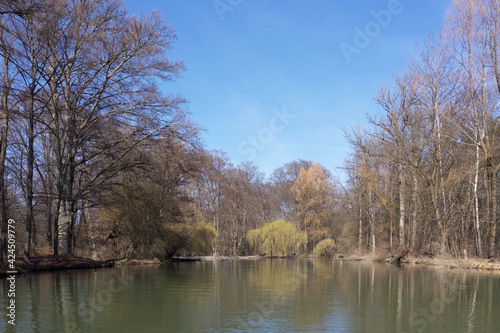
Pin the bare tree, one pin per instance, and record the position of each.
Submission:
(5, 114)
(472, 28)
(103, 69)
(393, 136)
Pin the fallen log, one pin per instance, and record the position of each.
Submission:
(396, 259)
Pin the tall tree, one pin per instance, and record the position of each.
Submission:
(5, 114)
(103, 70)
(208, 188)
(314, 204)
(392, 137)
(473, 30)
(282, 179)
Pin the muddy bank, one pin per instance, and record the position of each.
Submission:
(137, 262)
(47, 263)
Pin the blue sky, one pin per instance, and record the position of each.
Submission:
(275, 81)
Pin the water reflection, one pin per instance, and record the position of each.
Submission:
(282, 295)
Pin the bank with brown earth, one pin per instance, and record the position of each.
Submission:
(47, 263)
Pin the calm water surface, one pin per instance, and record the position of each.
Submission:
(300, 295)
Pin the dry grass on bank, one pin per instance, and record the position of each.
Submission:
(455, 263)
(435, 262)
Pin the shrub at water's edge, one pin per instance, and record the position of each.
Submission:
(325, 248)
(277, 238)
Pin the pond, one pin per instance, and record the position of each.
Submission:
(279, 295)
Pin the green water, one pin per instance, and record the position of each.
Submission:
(280, 295)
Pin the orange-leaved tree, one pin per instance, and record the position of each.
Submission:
(314, 204)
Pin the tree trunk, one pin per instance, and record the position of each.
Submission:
(49, 226)
(360, 234)
(390, 231)
(64, 228)
(87, 220)
(29, 177)
(437, 213)
(4, 119)
(414, 213)
(493, 210)
(30, 159)
(55, 243)
(440, 162)
(372, 220)
(479, 246)
(402, 210)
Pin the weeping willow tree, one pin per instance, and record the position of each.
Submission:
(278, 237)
(325, 247)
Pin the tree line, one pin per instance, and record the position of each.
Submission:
(96, 160)
(424, 172)
(79, 101)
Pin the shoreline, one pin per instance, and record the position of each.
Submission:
(454, 264)
(436, 263)
(47, 264)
